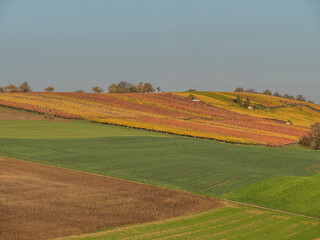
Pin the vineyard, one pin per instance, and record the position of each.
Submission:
(213, 116)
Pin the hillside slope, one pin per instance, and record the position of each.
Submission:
(299, 194)
(215, 116)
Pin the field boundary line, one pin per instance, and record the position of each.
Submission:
(113, 177)
(166, 187)
(270, 209)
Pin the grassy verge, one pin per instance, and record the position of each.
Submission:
(226, 223)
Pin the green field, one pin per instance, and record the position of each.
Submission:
(29, 129)
(291, 193)
(194, 165)
(240, 223)
(282, 178)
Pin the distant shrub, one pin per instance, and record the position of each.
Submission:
(250, 90)
(276, 94)
(243, 103)
(301, 98)
(49, 89)
(48, 114)
(267, 92)
(239, 89)
(97, 89)
(11, 89)
(191, 97)
(312, 140)
(291, 97)
(191, 90)
(80, 91)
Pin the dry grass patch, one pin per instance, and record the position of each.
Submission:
(41, 202)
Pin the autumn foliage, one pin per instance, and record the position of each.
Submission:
(164, 112)
(312, 140)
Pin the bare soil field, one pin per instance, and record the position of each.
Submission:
(15, 114)
(41, 202)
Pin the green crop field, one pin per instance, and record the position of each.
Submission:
(30, 129)
(291, 193)
(225, 223)
(194, 165)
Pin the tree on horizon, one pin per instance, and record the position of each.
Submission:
(24, 87)
(49, 89)
(97, 89)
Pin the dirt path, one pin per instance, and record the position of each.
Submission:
(271, 209)
(41, 202)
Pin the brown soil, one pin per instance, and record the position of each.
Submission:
(15, 114)
(41, 202)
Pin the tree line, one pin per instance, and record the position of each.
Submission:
(126, 87)
(299, 97)
(24, 87)
(121, 87)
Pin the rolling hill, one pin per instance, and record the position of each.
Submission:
(284, 178)
(214, 115)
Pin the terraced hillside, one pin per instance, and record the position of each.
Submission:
(215, 116)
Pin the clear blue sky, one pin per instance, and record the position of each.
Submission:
(174, 44)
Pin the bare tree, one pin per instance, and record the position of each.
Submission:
(24, 87)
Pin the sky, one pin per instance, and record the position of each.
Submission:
(214, 45)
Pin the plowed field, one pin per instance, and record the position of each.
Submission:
(42, 202)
